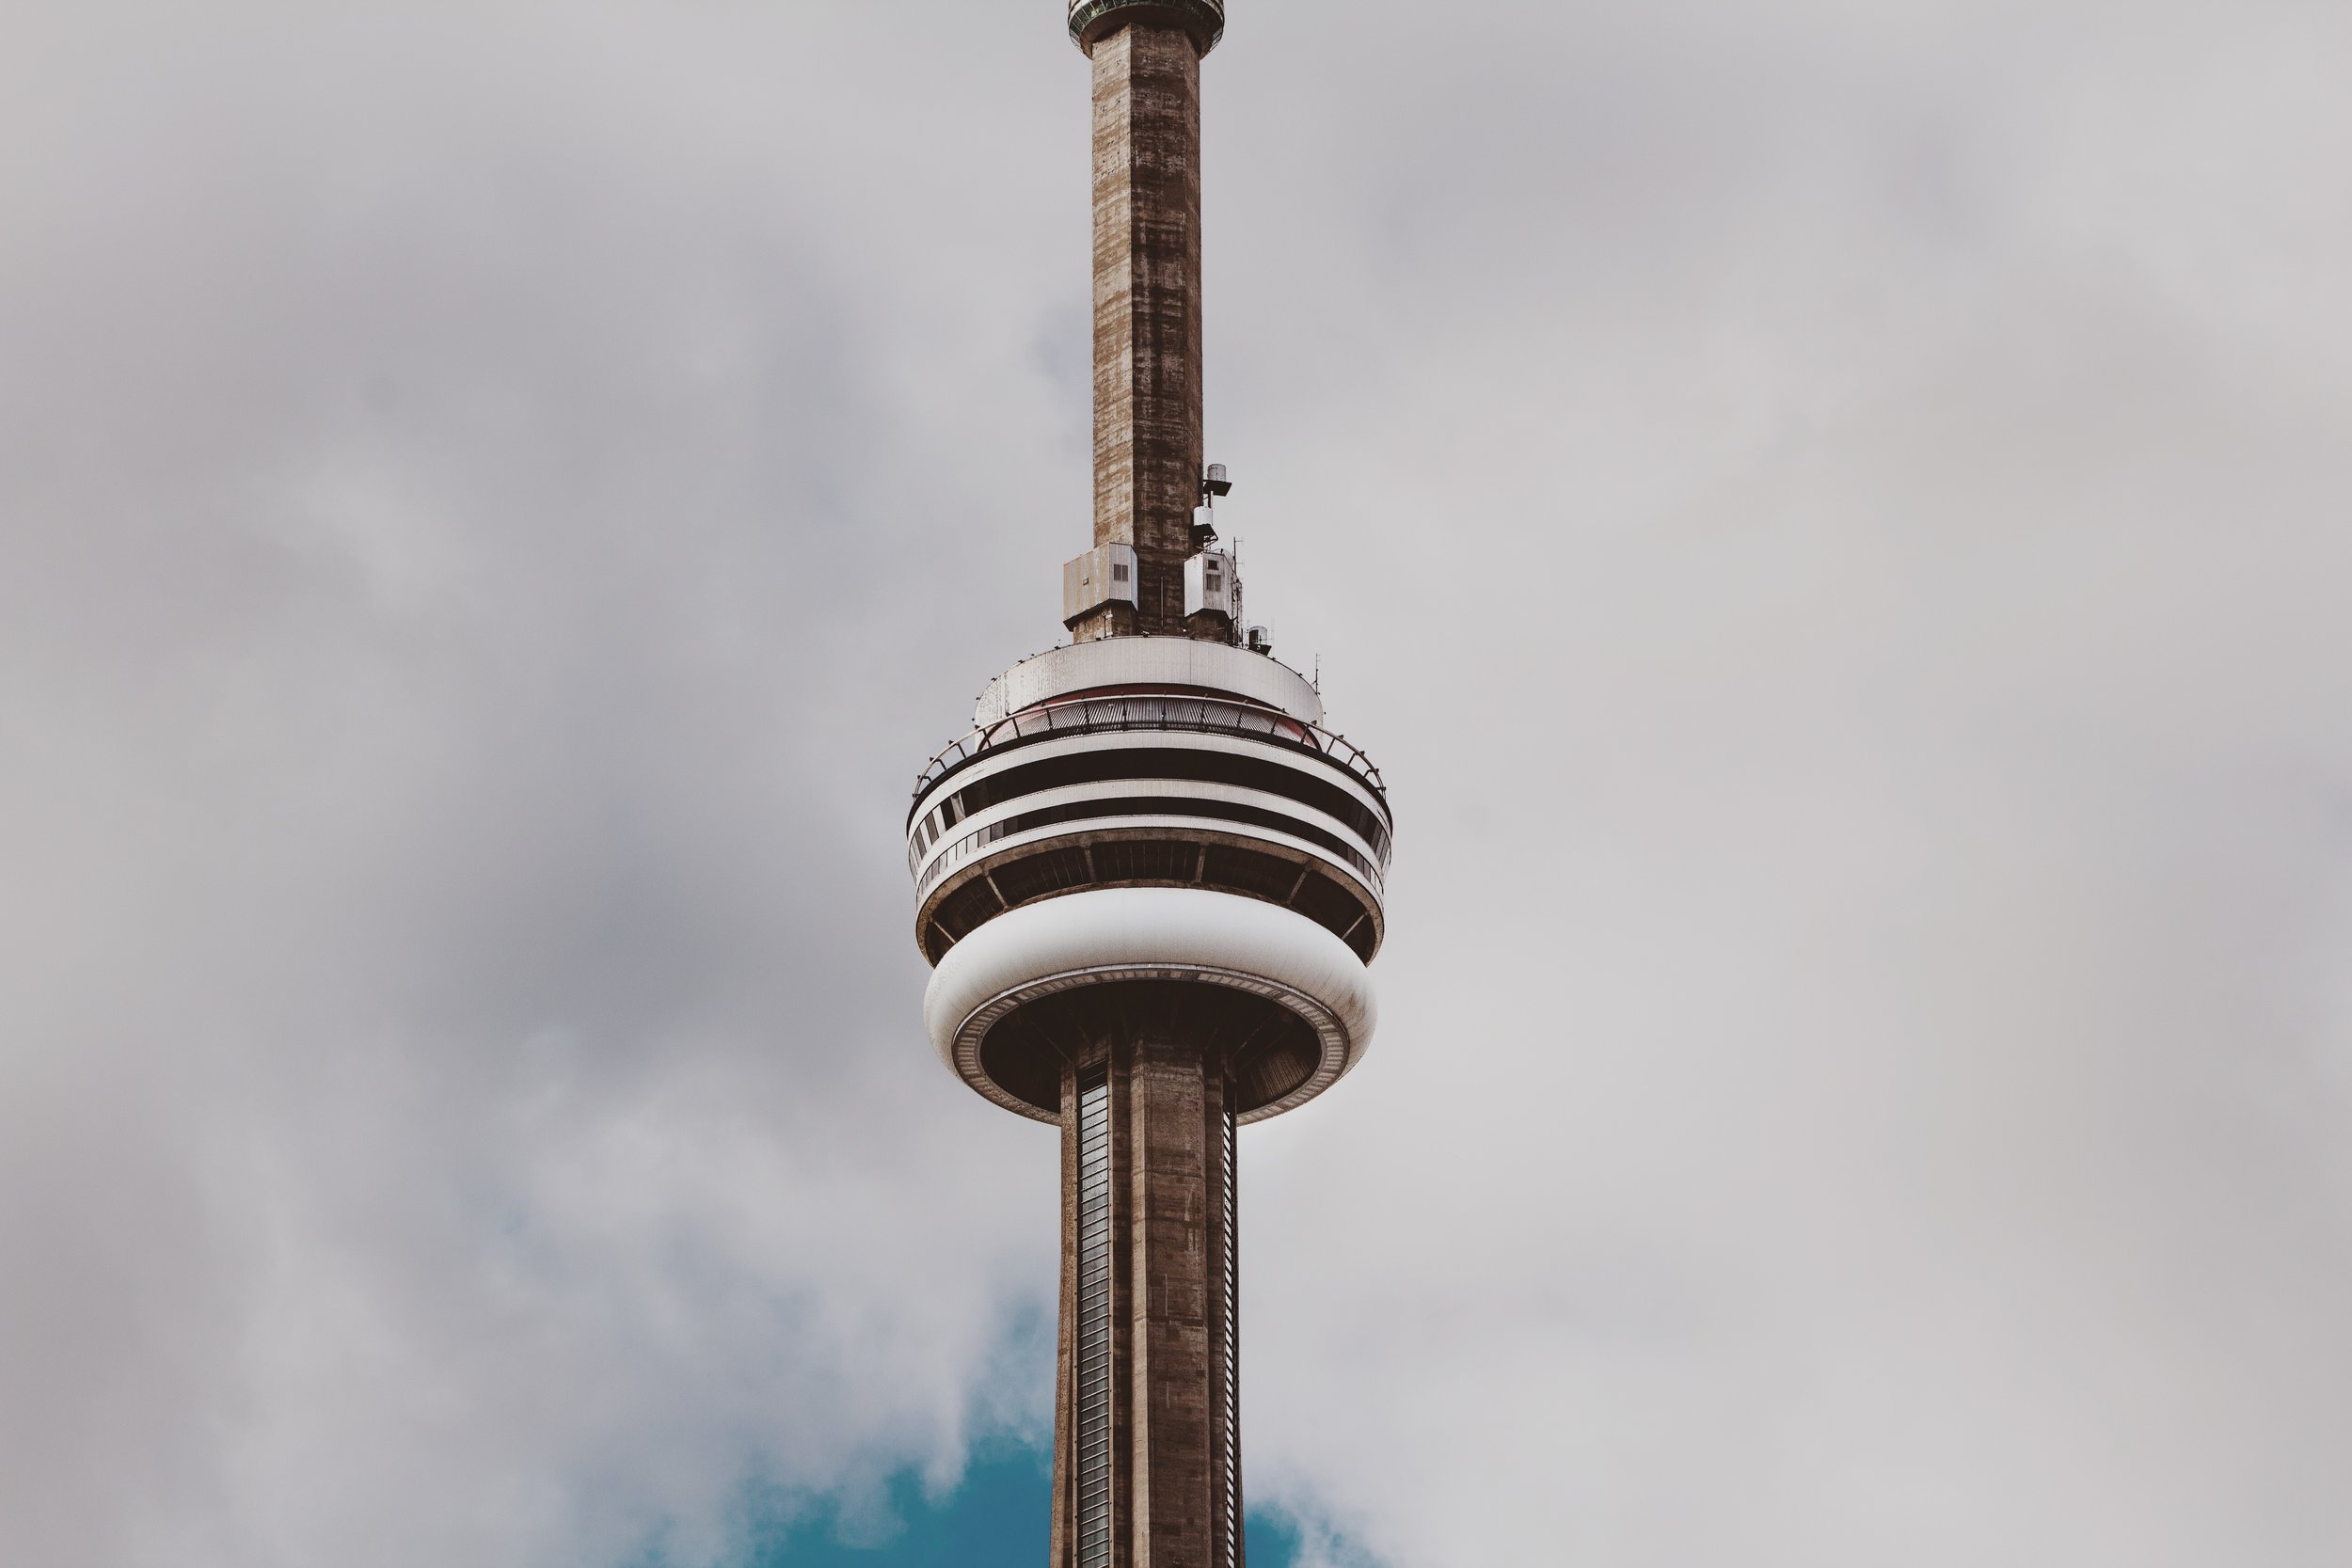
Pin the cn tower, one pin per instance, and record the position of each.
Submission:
(1149, 879)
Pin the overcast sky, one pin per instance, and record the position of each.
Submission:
(1831, 516)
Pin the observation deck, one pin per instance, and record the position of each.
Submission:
(1148, 767)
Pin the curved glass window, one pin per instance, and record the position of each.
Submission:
(1138, 762)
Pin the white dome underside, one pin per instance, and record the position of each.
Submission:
(1161, 933)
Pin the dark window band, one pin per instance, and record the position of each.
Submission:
(1159, 763)
(1166, 805)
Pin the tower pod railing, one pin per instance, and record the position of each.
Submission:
(1112, 715)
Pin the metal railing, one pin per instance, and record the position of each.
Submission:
(1214, 813)
(1111, 715)
(1206, 18)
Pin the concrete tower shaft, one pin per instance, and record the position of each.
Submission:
(1149, 879)
(1148, 454)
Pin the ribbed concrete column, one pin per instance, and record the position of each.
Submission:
(1162, 1427)
(1147, 312)
(1169, 1095)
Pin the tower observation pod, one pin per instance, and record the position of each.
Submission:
(1149, 879)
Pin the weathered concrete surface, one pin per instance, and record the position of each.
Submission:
(1169, 1092)
(1147, 316)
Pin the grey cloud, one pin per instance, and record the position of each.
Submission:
(1829, 517)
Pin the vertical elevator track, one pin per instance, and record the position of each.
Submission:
(1093, 1402)
(1229, 1257)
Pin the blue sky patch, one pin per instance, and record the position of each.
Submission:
(996, 1519)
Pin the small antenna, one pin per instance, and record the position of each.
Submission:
(1214, 483)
